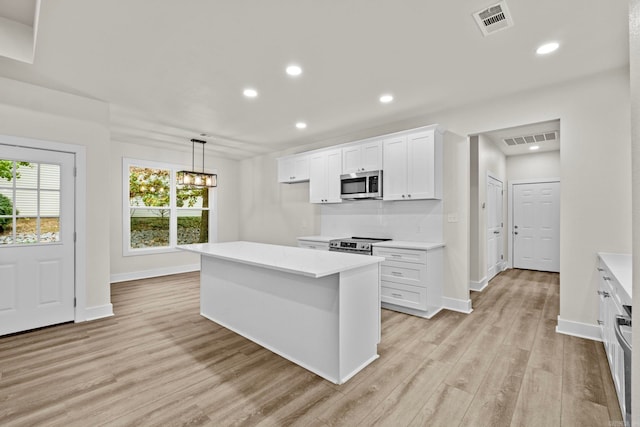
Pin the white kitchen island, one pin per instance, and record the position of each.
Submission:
(318, 309)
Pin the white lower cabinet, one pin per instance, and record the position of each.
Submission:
(411, 280)
(611, 298)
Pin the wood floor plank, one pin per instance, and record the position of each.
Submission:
(158, 362)
(445, 407)
(496, 398)
(539, 401)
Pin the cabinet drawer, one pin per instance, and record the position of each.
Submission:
(404, 295)
(410, 273)
(402, 255)
(308, 244)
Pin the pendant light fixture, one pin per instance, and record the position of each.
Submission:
(197, 179)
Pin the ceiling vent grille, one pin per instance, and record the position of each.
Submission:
(531, 139)
(493, 18)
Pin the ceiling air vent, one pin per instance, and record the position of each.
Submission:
(493, 18)
(530, 139)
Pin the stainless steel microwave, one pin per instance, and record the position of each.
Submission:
(361, 185)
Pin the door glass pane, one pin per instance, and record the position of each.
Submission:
(149, 228)
(49, 203)
(49, 177)
(193, 226)
(27, 202)
(6, 173)
(27, 175)
(26, 230)
(49, 230)
(149, 187)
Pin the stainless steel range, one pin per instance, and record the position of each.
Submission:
(355, 245)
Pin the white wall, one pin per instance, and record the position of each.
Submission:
(595, 160)
(487, 159)
(227, 202)
(538, 165)
(35, 112)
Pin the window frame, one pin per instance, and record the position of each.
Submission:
(127, 250)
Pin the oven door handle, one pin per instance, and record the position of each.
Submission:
(626, 346)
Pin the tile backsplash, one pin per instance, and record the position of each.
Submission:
(416, 220)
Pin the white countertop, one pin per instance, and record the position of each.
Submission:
(323, 239)
(290, 259)
(399, 244)
(620, 266)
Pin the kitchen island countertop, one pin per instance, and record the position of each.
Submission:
(289, 259)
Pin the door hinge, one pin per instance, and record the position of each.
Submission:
(75, 171)
(75, 235)
(501, 256)
(74, 301)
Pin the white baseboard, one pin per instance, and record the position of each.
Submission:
(479, 285)
(577, 329)
(98, 312)
(156, 272)
(463, 306)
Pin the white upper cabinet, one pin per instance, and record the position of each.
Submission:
(325, 168)
(413, 166)
(293, 168)
(363, 157)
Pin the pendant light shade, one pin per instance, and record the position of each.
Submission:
(197, 179)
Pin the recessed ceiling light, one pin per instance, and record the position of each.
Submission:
(294, 70)
(301, 125)
(534, 147)
(250, 93)
(547, 48)
(385, 99)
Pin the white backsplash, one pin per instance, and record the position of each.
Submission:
(415, 221)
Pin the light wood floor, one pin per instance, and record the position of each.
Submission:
(157, 362)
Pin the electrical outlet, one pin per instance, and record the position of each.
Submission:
(453, 217)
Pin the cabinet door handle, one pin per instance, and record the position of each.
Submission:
(396, 255)
(409, 195)
(607, 278)
(397, 295)
(604, 294)
(396, 273)
(600, 269)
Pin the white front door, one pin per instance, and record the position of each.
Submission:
(37, 259)
(536, 226)
(494, 227)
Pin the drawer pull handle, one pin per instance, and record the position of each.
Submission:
(600, 269)
(396, 273)
(600, 322)
(396, 255)
(604, 294)
(607, 278)
(397, 295)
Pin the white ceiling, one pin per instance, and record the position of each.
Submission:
(174, 69)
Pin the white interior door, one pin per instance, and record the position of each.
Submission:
(536, 226)
(494, 227)
(37, 259)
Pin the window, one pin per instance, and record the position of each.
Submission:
(159, 214)
(29, 203)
